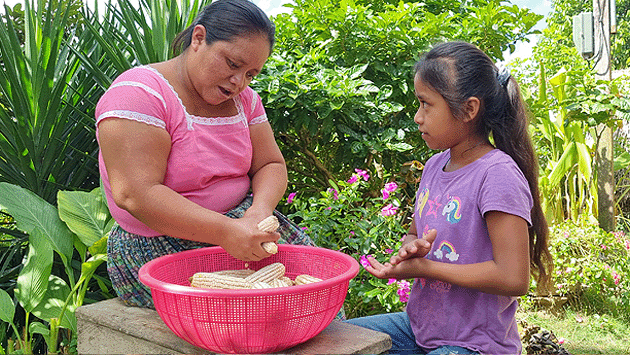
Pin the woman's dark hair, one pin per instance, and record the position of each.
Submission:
(460, 70)
(226, 19)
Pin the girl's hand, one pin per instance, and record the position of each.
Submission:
(417, 248)
(406, 269)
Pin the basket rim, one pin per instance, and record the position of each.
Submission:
(148, 280)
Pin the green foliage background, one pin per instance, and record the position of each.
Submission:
(338, 92)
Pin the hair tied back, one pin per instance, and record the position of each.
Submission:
(503, 75)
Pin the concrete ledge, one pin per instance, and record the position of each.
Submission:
(110, 327)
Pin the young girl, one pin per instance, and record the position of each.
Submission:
(477, 212)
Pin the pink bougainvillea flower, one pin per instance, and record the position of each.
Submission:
(604, 246)
(385, 194)
(391, 186)
(364, 260)
(351, 232)
(404, 290)
(616, 277)
(353, 179)
(364, 174)
(389, 210)
(391, 281)
(334, 192)
(389, 251)
(291, 197)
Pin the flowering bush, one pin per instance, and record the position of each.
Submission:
(347, 219)
(592, 268)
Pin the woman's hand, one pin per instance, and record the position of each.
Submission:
(244, 239)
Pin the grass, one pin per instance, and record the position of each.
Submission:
(583, 334)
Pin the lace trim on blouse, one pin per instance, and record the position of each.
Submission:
(132, 115)
(190, 119)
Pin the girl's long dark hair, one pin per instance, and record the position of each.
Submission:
(226, 19)
(460, 70)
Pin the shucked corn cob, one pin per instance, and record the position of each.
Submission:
(306, 279)
(269, 224)
(267, 273)
(214, 280)
(268, 277)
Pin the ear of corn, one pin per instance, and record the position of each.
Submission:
(281, 282)
(287, 281)
(269, 224)
(270, 247)
(218, 281)
(267, 273)
(242, 273)
(306, 279)
(261, 285)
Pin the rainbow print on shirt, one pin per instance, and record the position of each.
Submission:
(446, 250)
(452, 210)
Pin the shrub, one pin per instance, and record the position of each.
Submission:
(592, 268)
(347, 219)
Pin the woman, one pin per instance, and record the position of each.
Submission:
(184, 142)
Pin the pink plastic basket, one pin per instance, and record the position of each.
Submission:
(249, 321)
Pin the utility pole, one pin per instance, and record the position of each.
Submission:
(604, 156)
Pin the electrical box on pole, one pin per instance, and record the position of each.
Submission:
(583, 36)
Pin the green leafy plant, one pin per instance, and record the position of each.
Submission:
(81, 223)
(345, 218)
(44, 145)
(338, 88)
(592, 268)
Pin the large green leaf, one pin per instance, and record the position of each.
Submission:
(7, 308)
(564, 164)
(53, 303)
(38, 218)
(33, 279)
(85, 213)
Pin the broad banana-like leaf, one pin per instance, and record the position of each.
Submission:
(584, 159)
(53, 303)
(33, 279)
(38, 218)
(7, 308)
(564, 164)
(85, 213)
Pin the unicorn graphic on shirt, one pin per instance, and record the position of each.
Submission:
(452, 210)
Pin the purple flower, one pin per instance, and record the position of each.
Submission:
(364, 174)
(391, 281)
(389, 251)
(389, 210)
(385, 194)
(391, 186)
(364, 260)
(291, 197)
(353, 179)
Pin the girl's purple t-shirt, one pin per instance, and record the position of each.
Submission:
(210, 157)
(454, 203)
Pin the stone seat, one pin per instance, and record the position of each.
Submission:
(110, 327)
